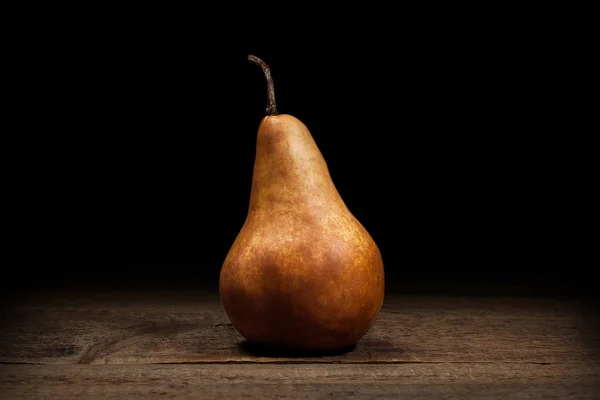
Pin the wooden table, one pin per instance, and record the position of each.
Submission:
(160, 344)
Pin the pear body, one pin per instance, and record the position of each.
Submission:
(303, 273)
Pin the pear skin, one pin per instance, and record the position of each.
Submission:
(303, 273)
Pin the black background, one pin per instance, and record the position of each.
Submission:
(441, 141)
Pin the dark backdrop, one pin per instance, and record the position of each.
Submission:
(441, 144)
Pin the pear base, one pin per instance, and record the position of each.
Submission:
(277, 329)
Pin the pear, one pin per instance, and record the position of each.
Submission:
(303, 273)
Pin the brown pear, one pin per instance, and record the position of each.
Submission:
(303, 273)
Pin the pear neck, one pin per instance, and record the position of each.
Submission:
(289, 169)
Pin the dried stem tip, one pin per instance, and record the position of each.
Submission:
(271, 107)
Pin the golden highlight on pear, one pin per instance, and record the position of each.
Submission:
(303, 273)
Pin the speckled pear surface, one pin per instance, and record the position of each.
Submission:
(303, 272)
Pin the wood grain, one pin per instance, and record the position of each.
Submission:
(191, 327)
(267, 381)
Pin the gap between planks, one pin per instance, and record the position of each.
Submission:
(308, 362)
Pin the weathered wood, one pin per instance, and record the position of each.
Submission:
(363, 381)
(175, 327)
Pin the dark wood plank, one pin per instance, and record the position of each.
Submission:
(360, 381)
(175, 327)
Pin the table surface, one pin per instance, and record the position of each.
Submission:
(130, 344)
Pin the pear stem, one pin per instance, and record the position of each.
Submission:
(271, 107)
